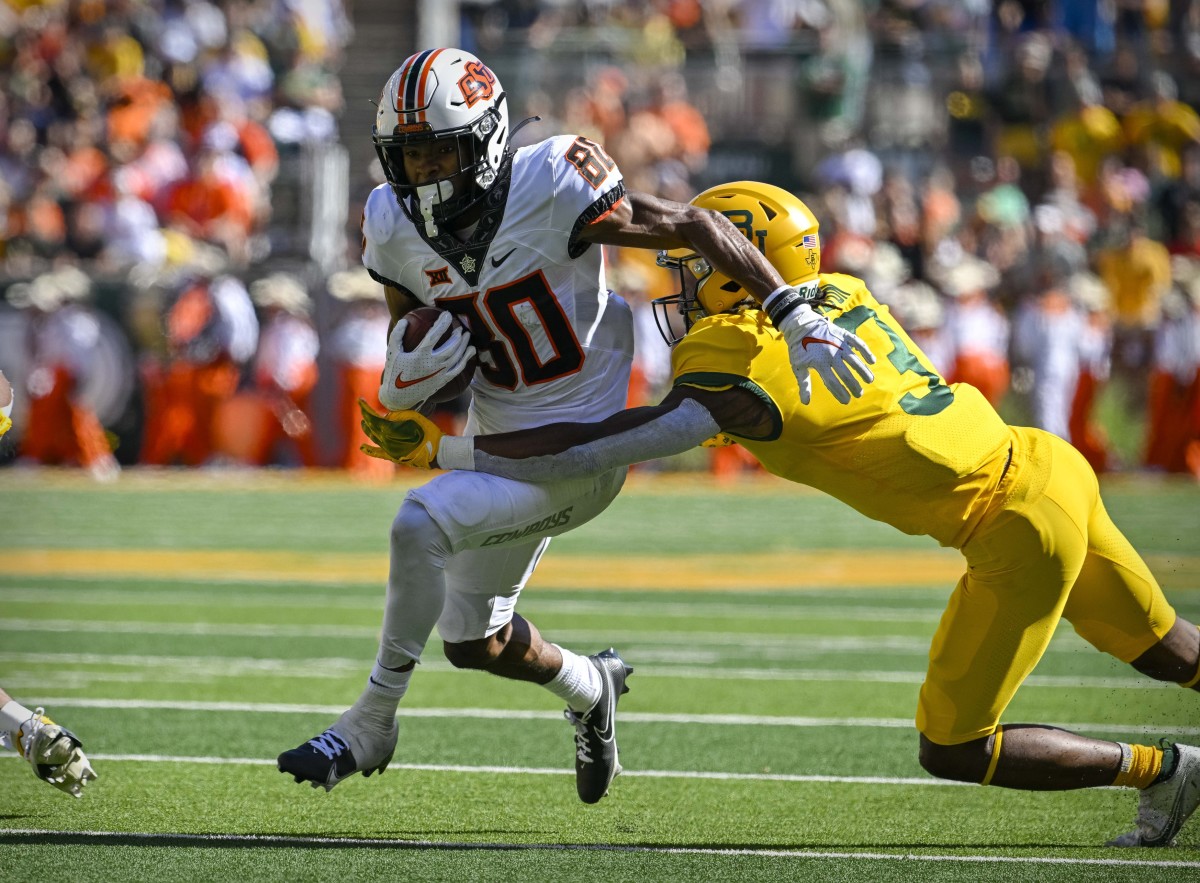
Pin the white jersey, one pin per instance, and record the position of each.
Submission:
(555, 344)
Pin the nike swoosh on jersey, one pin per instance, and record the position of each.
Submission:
(504, 257)
(404, 384)
(806, 341)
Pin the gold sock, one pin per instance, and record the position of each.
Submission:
(1140, 766)
(991, 770)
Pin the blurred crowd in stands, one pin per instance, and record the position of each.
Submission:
(139, 159)
(1019, 181)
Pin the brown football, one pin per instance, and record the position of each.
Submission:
(419, 322)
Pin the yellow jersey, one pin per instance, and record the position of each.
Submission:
(913, 451)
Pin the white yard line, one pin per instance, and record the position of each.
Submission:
(544, 771)
(796, 608)
(325, 667)
(734, 720)
(770, 645)
(149, 838)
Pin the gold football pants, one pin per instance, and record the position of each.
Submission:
(1047, 550)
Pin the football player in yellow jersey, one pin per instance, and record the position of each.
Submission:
(927, 457)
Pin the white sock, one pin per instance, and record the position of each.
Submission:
(13, 716)
(377, 704)
(577, 682)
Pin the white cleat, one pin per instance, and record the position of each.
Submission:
(1163, 808)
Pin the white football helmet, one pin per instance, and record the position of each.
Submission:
(443, 93)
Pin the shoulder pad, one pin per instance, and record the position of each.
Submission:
(381, 214)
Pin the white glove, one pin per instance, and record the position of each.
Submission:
(815, 342)
(55, 753)
(409, 378)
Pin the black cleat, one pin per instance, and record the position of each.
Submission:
(329, 758)
(596, 762)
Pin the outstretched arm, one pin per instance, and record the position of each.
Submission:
(573, 450)
(838, 356)
(644, 221)
(686, 418)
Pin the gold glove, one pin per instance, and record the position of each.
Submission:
(720, 440)
(406, 437)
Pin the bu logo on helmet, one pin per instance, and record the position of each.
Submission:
(476, 84)
(744, 221)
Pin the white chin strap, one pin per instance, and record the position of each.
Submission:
(429, 195)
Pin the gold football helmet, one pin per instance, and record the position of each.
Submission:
(778, 223)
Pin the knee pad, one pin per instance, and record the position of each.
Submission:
(414, 532)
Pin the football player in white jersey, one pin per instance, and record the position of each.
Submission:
(506, 240)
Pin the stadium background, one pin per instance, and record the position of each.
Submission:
(929, 136)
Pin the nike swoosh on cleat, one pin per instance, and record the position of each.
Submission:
(402, 384)
(500, 260)
(607, 735)
(806, 341)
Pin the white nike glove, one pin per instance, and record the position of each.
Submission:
(409, 378)
(815, 342)
(55, 753)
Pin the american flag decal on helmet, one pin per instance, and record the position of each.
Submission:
(810, 240)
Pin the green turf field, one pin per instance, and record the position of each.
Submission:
(191, 626)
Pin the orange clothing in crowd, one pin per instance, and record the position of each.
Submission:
(134, 110)
(356, 382)
(207, 203)
(688, 125)
(1173, 424)
(258, 147)
(729, 461)
(43, 220)
(182, 402)
(208, 339)
(1088, 438)
(85, 173)
(60, 429)
(287, 420)
(985, 372)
